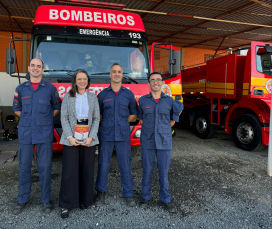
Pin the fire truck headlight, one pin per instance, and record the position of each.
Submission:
(137, 134)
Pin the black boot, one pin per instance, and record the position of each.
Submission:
(100, 199)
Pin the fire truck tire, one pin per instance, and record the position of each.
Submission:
(247, 133)
(203, 128)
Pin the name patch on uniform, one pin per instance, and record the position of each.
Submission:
(26, 97)
(107, 100)
(147, 107)
(16, 94)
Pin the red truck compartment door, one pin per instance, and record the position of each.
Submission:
(221, 78)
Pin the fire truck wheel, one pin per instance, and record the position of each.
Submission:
(203, 128)
(246, 133)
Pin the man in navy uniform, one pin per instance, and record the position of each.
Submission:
(36, 102)
(157, 113)
(117, 109)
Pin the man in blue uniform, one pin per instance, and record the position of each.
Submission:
(117, 109)
(36, 102)
(157, 113)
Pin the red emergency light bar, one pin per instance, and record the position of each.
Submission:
(93, 3)
(88, 17)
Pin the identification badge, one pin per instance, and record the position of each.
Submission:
(81, 133)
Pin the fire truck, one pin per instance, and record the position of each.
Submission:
(234, 92)
(67, 38)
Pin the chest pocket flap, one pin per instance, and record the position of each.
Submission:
(108, 104)
(26, 101)
(26, 108)
(44, 101)
(124, 108)
(164, 110)
(43, 107)
(124, 102)
(148, 110)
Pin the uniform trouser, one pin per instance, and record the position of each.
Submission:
(44, 164)
(123, 152)
(77, 180)
(163, 164)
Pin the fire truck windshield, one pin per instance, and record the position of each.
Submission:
(264, 61)
(62, 55)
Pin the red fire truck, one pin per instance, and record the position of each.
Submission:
(67, 38)
(231, 91)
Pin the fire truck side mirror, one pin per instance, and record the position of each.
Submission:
(10, 61)
(174, 62)
(268, 48)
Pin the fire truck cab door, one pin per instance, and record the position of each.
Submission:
(165, 58)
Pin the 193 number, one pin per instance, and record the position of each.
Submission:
(135, 35)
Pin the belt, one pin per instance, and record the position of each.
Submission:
(82, 120)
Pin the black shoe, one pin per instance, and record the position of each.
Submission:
(19, 208)
(144, 203)
(83, 207)
(48, 207)
(100, 199)
(64, 213)
(168, 207)
(130, 202)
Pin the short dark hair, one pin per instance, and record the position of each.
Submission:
(37, 59)
(153, 73)
(115, 65)
(74, 89)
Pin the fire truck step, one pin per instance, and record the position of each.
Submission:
(214, 123)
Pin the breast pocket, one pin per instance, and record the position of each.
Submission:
(108, 109)
(26, 107)
(164, 114)
(124, 111)
(148, 116)
(43, 106)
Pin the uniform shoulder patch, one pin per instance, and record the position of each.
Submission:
(56, 94)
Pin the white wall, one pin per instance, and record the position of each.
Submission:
(8, 85)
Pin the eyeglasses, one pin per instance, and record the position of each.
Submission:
(157, 80)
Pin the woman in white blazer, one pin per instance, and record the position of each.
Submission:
(79, 107)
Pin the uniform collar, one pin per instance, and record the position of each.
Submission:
(109, 88)
(162, 95)
(42, 83)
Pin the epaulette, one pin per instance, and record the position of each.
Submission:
(22, 84)
(48, 83)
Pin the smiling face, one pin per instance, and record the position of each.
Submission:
(116, 74)
(35, 68)
(81, 81)
(154, 83)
